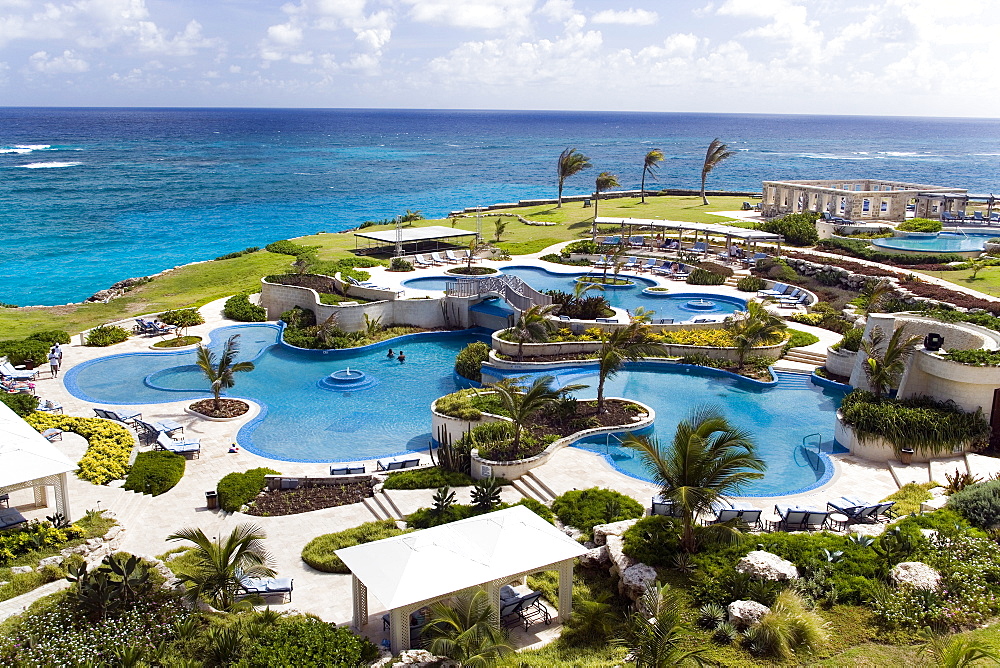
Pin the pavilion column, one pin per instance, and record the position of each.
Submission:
(41, 496)
(565, 589)
(493, 593)
(399, 630)
(62, 497)
(360, 594)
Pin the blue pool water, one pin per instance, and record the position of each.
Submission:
(944, 242)
(302, 421)
(669, 305)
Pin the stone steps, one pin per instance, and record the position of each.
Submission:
(540, 491)
(902, 474)
(375, 508)
(805, 356)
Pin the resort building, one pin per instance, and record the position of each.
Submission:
(862, 199)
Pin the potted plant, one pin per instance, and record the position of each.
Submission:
(906, 456)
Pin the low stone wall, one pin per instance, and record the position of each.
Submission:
(840, 362)
(877, 449)
(455, 428)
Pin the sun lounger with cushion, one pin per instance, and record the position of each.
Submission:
(443, 260)
(7, 370)
(452, 257)
(397, 463)
(795, 518)
(778, 290)
(11, 517)
(420, 262)
(266, 587)
(665, 507)
(347, 469)
(801, 300)
(53, 434)
(179, 447)
(633, 263)
(649, 265)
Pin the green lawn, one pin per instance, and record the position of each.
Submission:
(987, 281)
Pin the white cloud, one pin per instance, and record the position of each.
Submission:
(67, 63)
(472, 13)
(627, 17)
(285, 34)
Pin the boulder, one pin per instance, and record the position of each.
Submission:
(50, 561)
(602, 531)
(635, 579)
(915, 574)
(746, 613)
(421, 657)
(595, 557)
(113, 533)
(767, 566)
(619, 562)
(869, 529)
(572, 532)
(15, 570)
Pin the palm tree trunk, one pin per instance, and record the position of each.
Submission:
(520, 350)
(559, 197)
(600, 395)
(642, 188)
(687, 539)
(704, 200)
(593, 228)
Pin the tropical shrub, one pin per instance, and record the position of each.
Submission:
(701, 276)
(35, 536)
(980, 504)
(425, 518)
(286, 247)
(458, 405)
(653, 540)
(976, 357)
(750, 284)
(920, 225)
(429, 478)
(239, 308)
(50, 336)
(469, 361)
(586, 508)
(305, 642)
(583, 246)
(582, 308)
(400, 264)
(851, 340)
(298, 317)
(106, 335)
(238, 489)
(799, 229)
(155, 472)
(789, 630)
(109, 445)
(183, 318)
(20, 352)
(319, 554)
(21, 403)
(715, 338)
(538, 508)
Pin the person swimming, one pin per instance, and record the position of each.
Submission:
(401, 357)
(391, 355)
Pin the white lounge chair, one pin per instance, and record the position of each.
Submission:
(164, 442)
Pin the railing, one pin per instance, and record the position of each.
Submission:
(515, 291)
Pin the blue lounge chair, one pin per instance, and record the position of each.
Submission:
(978, 217)
(397, 463)
(266, 587)
(347, 469)
(7, 370)
(602, 261)
(665, 507)
(633, 263)
(778, 290)
(637, 241)
(11, 517)
(649, 265)
(564, 318)
(801, 300)
(699, 247)
(663, 321)
(795, 518)
(862, 512)
(164, 442)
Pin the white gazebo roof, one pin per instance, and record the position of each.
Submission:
(26, 455)
(409, 235)
(708, 228)
(435, 562)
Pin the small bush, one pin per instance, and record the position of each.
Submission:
(705, 277)
(750, 284)
(458, 405)
(318, 552)
(50, 336)
(469, 361)
(238, 489)
(716, 268)
(245, 251)
(22, 404)
(106, 335)
(155, 472)
(425, 518)
(429, 478)
(304, 642)
(976, 357)
(909, 497)
(239, 308)
(980, 504)
(286, 247)
(298, 317)
(400, 264)
(20, 352)
(799, 229)
(183, 318)
(851, 340)
(583, 246)
(654, 540)
(586, 508)
(920, 225)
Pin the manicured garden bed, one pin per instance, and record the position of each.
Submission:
(224, 408)
(307, 498)
(178, 342)
(471, 271)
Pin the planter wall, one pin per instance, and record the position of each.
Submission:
(455, 428)
(840, 362)
(971, 387)
(878, 449)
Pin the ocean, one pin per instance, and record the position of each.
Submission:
(92, 196)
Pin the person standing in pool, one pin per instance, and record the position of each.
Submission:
(390, 355)
(401, 357)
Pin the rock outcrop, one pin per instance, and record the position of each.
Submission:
(915, 574)
(746, 613)
(766, 566)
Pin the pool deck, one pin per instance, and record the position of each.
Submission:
(149, 520)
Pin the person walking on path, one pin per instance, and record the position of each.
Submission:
(54, 363)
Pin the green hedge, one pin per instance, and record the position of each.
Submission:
(236, 254)
(49, 336)
(238, 489)
(865, 251)
(286, 247)
(304, 642)
(318, 552)
(429, 478)
(103, 336)
(980, 504)
(920, 225)
(239, 308)
(701, 276)
(109, 444)
(22, 404)
(424, 518)
(799, 229)
(977, 357)
(653, 540)
(586, 508)
(19, 352)
(155, 472)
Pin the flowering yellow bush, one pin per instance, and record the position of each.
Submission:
(715, 338)
(109, 445)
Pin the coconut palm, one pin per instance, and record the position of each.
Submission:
(709, 459)
(521, 404)
(885, 359)
(220, 564)
(571, 162)
(960, 652)
(655, 631)
(873, 295)
(533, 325)
(616, 259)
(581, 288)
(466, 632)
(627, 344)
(717, 152)
(220, 374)
(649, 165)
(604, 181)
(756, 327)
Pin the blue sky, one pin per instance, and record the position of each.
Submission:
(896, 57)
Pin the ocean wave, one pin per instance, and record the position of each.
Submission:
(49, 165)
(15, 150)
(33, 147)
(834, 156)
(903, 154)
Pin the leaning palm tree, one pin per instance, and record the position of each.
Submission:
(649, 165)
(604, 181)
(521, 404)
(220, 564)
(627, 344)
(874, 294)
(885, 359)
(717, 152)
(756, 327)
(708, 460)
(533, 325)
(466, 632)
(655, 631)
(570, 162)
(581, 288)
(220, 374)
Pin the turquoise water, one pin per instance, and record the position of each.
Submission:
(302, 421)
(944, 242)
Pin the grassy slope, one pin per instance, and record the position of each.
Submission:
(987, 281)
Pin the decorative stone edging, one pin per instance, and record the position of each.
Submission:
(253, 410)
(161, 349)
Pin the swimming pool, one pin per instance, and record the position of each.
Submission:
(303, 420)
(669, 305)
(944, 242)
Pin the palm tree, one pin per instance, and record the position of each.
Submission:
(758, 326)
(884, 364)
(604, 181)
(709, 459)
(717, 152)
(614, 259)
(581, 288)
(220, 374)
(521, 404)
(466, 632)
(960, 652)
(570, 162)
(649, 165)
(533, 325)
(873, 295)
(631, 344)
(221, 563)
(655, 631)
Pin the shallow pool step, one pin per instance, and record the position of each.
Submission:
(794, 380)
(919, 473)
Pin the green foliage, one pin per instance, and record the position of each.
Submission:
(400, 264)
(863, 250)
(428, 478)
(35, 536)
(700, 276)
(469, 361)
(459, 405)
(21, 403)
(106, 335)
(486, 495)
(975, 357)
(583, 247)
(298, 317)
(586, 508)
(920, 225)
(424, 518)
(653, 540)
(239, 308)
(236, 254)
(920, 423)
(789, 630)
(183, 318)
(155, 472)
(109, 445)
(286, 247)
(799, 339)
(319, 552)
(851, 340)
(19, 352)
(582, 307)
(799, 229)
(50, 336)
(909, 497)
(750, 284)
(980, 504)
(238, 489)
(305, 642)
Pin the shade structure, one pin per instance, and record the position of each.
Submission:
(27, 459)
(413, 236)
(708, 228)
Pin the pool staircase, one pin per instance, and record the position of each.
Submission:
(530, 486)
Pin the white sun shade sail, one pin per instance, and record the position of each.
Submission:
(25, 454)
(708, 228)
(408, 235)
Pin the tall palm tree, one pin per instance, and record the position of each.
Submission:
(521, 404)
(581, 288)
(221, 563)
(885, 363)
(627, 344)
(709, 459)
(655, 631)
(604, 181)
(466, 632)
(758, 326)
(220, 374)
(874, 294)
(649, 165)
(614, 259)
(717, 152)
(533, 325)
(570, 162)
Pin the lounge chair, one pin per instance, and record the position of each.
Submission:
(397, 463)
(663, 321)
(7, 370)
(266, 587)
(164, 442)
(50, 406)
(649, 265)
(778, 290)
(443, 260)
(612, 241)
(665, 507)
(737, 514)
(680, 272)
(52, 434)
(565, 318)
(607, 321)
(420, 262)
(602, 261)
(527, 609)
(347, 469)
(637, 241)
(633, 263)
(948, 218)
(801, 519)
(125, 417)
(452, 257)
(862, 512)
(977, 216)
(752, 261)
(16, 386)
(801, 300)
(11, 517)
(699, 247)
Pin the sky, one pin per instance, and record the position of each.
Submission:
(889, 57)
